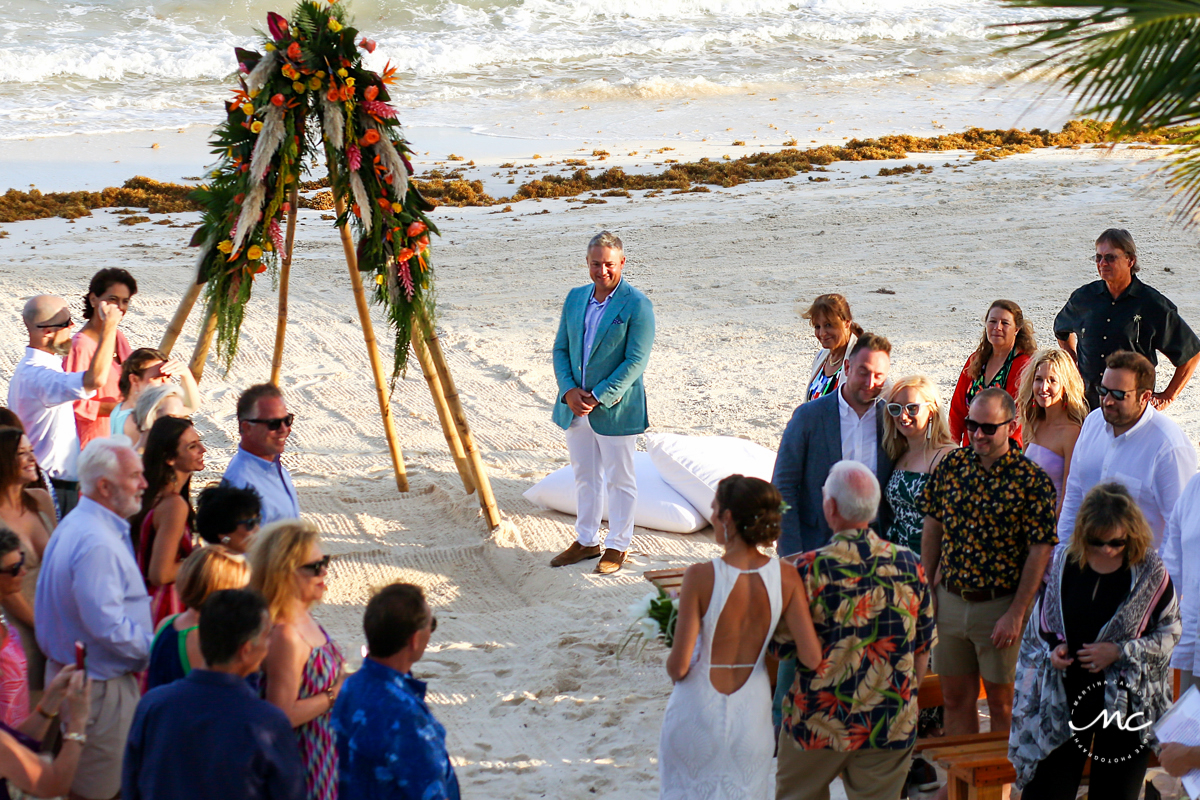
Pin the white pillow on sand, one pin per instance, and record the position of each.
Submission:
(694, 465)
(658, 505)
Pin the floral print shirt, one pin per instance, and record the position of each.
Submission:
(873, 614)
(991, 517)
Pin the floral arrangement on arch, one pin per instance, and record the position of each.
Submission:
(309, 90)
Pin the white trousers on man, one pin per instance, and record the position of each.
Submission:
(602, 465)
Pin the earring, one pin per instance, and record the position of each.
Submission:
(226, 539)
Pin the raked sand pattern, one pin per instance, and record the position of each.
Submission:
(522, 670)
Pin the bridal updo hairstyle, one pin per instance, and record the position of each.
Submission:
(756, 507)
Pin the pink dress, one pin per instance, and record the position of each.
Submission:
(164, 600)
(88, 422)
(14, 679)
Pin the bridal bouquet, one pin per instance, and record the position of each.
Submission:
(653, 618)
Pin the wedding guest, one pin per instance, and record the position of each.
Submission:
(1098, 642)
(21, 767)
(717, 740)
(916, 438)
(29, 513)
(164, 524)
(382, 713)
(1128, 441)
(116, 286)
(10, 420)
(1119, 312)
(175, 650)
(837, 332)
(41, 393)
(1181, 556)
(229, 516)
(889, 630)
(91, 591)
(601, 350)
(209, 735)
(154, 403)
(1000, 359)
(1051, 410)
(144, 368)
(989, 530)
(304, 669)
(14, 669)
(264, 424)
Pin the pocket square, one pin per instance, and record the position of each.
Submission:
(618, 320)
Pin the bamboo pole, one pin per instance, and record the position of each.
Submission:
(175, 326)
(486, 499)
(364, 318)
(200, 354)
(285, 271)
(443, 410)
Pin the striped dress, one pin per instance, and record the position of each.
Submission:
(317, 744)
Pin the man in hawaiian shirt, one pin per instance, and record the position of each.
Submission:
(989, 531)
(856, 714)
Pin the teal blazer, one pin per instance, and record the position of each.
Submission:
(619, 356)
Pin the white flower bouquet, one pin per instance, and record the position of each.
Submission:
(653, 618)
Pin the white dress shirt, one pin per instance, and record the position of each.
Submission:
(1154, 460)
(860, 440)
(1181, 557)
(41, 395)
(591, 324)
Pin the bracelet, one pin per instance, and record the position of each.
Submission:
(75, 737)
(45, 713)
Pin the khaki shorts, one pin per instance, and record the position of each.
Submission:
(964, 645)
(113, 703)
(867, 774)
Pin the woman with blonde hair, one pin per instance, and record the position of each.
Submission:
(304, 669)
(1099, 640)
(836, 330)
(176, 648)
(1004, 351)
(1051, 409)
(916, 437)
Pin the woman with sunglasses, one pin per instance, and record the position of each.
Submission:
(228, 516)
(14, 669)
(163, 528)
(29, 513)
(1000, 359)
(304, 668)
(1099, 640)
(1052, 408)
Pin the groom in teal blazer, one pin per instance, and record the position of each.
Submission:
(601, 350)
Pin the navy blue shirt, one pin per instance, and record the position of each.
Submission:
(390, 747)
(209, 736)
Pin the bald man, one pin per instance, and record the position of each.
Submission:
(41, 394)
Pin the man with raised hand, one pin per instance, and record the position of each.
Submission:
(42, 395)
(601, 350)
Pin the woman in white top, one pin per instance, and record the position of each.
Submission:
(717, 739)
(836, 330)
(1051, 409)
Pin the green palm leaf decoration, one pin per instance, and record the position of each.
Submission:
(1136, 63)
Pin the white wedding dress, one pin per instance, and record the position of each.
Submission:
(715, 745)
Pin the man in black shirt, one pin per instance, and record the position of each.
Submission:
(1119, 312)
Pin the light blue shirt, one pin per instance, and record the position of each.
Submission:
(591, 324)
(270, 479)
(91, 590)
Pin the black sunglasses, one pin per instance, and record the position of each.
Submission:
(988, 428)
(50, 326)
(433, 626)
(15, 569)
(275, 424)
(249, 522)
(318, 567)
(896, 409)
(1116, 544)
(1117, 394)
(1107, 258)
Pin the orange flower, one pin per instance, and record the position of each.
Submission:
(293, 51)
(277, 100)
(369, 138)
(238, 198)
(356, 210)
(346, 93)
(332, 95)
(405, 254)
(416, 229)
(384, 204)
(422, 244)
(289, 72)
(389, 73)
(371, 92)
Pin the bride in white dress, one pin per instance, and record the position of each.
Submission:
(717, 739)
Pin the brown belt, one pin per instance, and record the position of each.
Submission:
(979, 595)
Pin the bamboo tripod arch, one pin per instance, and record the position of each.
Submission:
(425, 344)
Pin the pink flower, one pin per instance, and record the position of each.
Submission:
(276, 235)
(367, 44)
(405, 276)
(242, 68)
(277, 25)
(353, 157)
(378, 109)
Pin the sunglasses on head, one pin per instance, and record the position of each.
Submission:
(317, 567)
(988, 428)
(896, 409)
(51, 326)
(15, 569)
(276, 423)
(1116, 544)
(1117, 394)
(1106, 258)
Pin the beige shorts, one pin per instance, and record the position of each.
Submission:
(867, 774)
(964, 644)
(113, 703)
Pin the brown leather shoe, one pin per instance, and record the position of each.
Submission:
(574, 554)
(610, 562)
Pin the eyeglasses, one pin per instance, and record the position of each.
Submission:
(249, 522)
(15, 569)
(1117, 394)
(274, 424)
(988, 428)
(317, 568)
(433, 626)
(53, 326)
(896, 409)
(1106, 258)
(1115, 544)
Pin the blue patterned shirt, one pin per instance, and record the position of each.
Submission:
(389, 745)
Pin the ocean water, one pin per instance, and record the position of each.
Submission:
(558, 69)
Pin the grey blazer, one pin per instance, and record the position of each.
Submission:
(811, 445)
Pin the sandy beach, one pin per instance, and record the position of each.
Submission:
(523, 670)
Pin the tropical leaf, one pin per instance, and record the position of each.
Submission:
(830, 728)
(904, 723)
(871, 688)
(843, 660)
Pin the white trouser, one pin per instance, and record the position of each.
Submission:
(599, 461)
